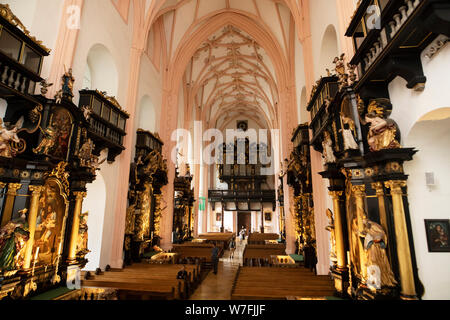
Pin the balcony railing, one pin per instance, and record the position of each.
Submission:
(107, 122)
(241, 196)
(389, 35)
(21, 57)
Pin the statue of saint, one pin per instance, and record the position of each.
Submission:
(348, 131)
(379, 270)
(327, 145)
(13, 239)
(330, 228)
(383, 132)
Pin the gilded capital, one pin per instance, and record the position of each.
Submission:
(36, 190)
(12, 188)
(359, 190)
(395, 186)
(378, 187)
(80, 195)
(336, 194)
(2, 185)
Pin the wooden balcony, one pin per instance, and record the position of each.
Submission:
(325, 92)
(146, 142)
(389, 37)
(21, 58)
(241, 196)
(107, 122)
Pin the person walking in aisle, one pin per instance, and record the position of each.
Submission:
(215, 257)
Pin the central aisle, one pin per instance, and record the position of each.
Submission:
(218, 287)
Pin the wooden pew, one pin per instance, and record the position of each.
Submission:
(258, 254)
(260, 238)
(195, 251)
(147, 281)
(222, 240)
(279, 283)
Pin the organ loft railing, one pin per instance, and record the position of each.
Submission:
(243, 165)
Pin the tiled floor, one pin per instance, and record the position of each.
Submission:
(218, 287)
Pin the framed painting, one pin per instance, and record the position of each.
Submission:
(437, 235)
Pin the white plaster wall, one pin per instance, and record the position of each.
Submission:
(102, 24)
(322, 11)
(409, 106)
(95, 204)
(432, 139)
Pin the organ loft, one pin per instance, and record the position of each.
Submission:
(224, 150)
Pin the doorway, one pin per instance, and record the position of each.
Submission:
(245, 220)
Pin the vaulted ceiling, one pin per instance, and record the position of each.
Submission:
(230, 75)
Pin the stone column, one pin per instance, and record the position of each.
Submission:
(32, 217)
(9, 202)
(79, 196)
(338, 230)
(408, 290)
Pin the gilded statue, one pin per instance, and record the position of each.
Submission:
(13, 239)
(8, 137)
(85, 153)
(348, 133)
(327, 144)
(379, 270)
(82, 241)
(330, 228)
(48, 141)
(130, 219)
(67, 82)
(383, 132)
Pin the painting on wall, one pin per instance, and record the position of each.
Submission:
(437, 235)
(218, 216)
(268, 216)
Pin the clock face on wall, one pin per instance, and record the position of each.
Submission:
(242, 125)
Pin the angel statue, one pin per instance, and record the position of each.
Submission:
(8, 137)
(379, 270)
(327, 145)
(87, 111)
(13, 239)
(48, 142)
(44, 86)
(348, 129)
(95, 163)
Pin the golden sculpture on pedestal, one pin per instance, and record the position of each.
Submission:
(379, 270)
(383, 131)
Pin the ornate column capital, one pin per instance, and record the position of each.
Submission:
(12, 188)
(36, 190)
(378, 187)
(395, 186)
(359, 190)
(336, 194)
(80, 195)
(2, 185)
